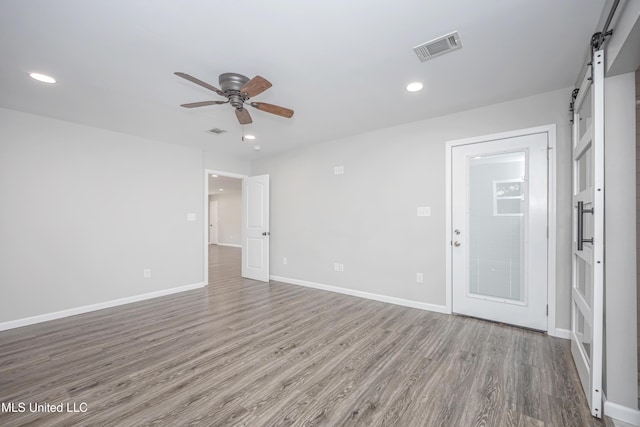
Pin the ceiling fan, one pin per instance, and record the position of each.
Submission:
(238, 89)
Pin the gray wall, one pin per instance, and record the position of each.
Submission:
(229, 217)
(85, 210)
(638, 216)
(620, 246)
(219, 163)
(366, 218)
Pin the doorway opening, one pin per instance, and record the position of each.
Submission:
(225, 211)
(223, 224)
(251, 239)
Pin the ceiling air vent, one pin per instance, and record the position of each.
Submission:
(217, 131)
(439, 46)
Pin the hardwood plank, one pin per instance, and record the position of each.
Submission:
(246, 353)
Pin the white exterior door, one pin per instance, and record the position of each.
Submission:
(499, 229)
(588, 232)
(255, 228)
(213, 222)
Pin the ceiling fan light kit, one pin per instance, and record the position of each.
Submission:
(238, 89)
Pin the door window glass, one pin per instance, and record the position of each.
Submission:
(497, 209)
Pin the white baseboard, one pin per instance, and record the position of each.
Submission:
(622, 413)
(233, 245)
(376, 297)
(560, 333)
(94, 307)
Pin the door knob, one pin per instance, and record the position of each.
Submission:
(456, 243)
(456, 231)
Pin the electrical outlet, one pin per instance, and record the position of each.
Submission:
(419, 277)
(338, 170)
(146, 273)
(338, 267)
(284, 260)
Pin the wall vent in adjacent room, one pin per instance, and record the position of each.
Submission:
(217, 131)
(439, 46)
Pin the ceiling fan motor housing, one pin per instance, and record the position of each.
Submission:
(230, 84)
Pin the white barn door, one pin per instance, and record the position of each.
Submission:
(255, 228)
(588, 232)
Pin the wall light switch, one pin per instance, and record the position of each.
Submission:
(419, 277)
(338, 170)
(191, 217)
(146, 273)
(284, 260)
(424, 211)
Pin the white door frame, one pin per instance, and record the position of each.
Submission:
(205, 221)
(550, 130)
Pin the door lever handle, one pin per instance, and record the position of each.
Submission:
(266, 233)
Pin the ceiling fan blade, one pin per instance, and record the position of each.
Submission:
(200, 83)
(273, 109)
(255, 86)
(243, 116)
(202, 104)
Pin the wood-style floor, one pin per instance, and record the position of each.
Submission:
(241, 352)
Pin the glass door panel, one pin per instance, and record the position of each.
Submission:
(496, 226)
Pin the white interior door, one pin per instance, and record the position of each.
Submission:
(255, 227)
(588, 232)
(499, 229)
(213, 222)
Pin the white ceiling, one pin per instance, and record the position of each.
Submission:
(342, 65)
(229, 185)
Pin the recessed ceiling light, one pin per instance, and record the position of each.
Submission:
(250, 137)
(42, 78)
(213, 175)
(220, 189)
(414, 87)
